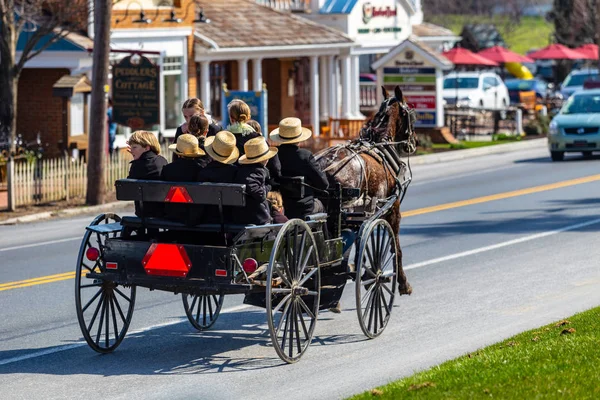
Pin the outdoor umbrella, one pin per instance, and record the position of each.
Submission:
(590, 51)
(502, 55)
(462, 56)
(557, 52)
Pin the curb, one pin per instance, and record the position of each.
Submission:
(480, 151)
(67, 212)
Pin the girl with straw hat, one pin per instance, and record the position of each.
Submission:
(253, 174)
(296, 161)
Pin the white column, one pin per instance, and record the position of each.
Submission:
(205, 85)
(325, 78)
(314, 94)
(355, 82)
(243, 74)
(333, 86)
(161, 88)
(346, 87)
(257, 81)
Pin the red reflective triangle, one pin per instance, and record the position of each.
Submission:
(178, 194)
(166, 260)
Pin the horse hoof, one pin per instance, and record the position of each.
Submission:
(405, 289)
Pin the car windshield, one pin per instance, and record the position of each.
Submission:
(578, 79)
(520, 85)
(461, 83)
(582, 104)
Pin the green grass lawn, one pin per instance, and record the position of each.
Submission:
(531, 32)
(560, 360)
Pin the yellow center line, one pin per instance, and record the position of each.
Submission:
(477, 200)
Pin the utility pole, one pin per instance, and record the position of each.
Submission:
(98, 139)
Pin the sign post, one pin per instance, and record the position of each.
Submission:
(418, 71)
(136, 92)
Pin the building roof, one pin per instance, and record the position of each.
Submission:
(430, 30)
(338, 6)
(67, 85)
(243, 23)
(412, 43)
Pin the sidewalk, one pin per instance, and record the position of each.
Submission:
(63, 209)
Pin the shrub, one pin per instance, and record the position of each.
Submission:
(424, 141)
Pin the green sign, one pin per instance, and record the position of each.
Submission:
(409, 79)
(136, 92)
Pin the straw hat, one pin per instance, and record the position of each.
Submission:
(187, 146)
(257, 150)
(221, 147)
(290, 131)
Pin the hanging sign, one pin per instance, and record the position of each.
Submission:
(136, 92)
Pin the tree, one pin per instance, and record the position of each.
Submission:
(47, 22)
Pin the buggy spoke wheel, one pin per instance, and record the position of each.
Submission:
(202, 310)
(104, 309)
(293, 290)
(376, 263)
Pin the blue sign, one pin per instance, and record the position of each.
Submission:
(408, 70)
(257, 101)
(425, 119)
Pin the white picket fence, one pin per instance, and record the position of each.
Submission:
(64, 178)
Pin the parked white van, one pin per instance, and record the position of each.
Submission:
(475, 89)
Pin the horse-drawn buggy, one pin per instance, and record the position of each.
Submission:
(293, 270)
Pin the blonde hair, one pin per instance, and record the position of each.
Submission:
(145, 138)
(194, 103)
(275, 200)
(198, 125)
(255, 125)
(238, 110)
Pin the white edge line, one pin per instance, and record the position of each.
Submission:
(81, 344)
(25, 246)
(500, 245)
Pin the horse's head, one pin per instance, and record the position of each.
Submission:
(393, 122)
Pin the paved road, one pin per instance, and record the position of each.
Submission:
(482, 268)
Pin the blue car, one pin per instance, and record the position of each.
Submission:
(525, 85)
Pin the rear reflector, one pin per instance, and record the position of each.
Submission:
(112, 265)
(178, 194)
(92, 254)
(249, 265)
(220, 272)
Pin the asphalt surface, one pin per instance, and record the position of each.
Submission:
(482, 270)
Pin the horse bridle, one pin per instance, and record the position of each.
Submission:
(377, 126)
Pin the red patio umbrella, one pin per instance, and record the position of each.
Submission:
(589, 50)
(557, 52)
(462, 56)
(502, 55)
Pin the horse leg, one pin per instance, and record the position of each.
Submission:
(403, 285)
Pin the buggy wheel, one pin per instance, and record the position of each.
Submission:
(293, 290)
(104, 309)
(376, 277)
(202, 310)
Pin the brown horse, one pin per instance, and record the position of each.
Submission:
(353, 165)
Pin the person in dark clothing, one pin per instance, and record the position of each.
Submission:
(190, 108)
(296, 161)
(221, 148)
(274, 165)
(253, 174)
(147, 164)
(184, 168)
(239, 115)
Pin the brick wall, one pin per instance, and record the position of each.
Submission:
(38, 110)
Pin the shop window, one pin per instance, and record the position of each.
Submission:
(173, 100)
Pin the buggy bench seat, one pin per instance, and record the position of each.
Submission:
(225, 194)
(163, 223)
